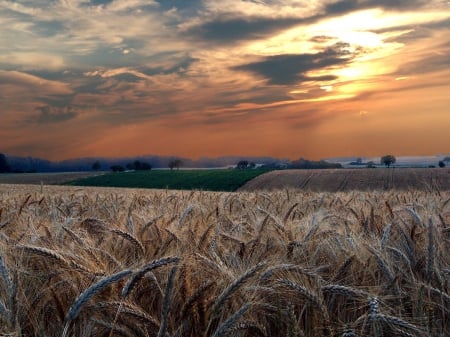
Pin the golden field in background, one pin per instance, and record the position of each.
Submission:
(123, 262)
(361, 179)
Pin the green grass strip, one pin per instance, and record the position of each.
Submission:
(206, 180)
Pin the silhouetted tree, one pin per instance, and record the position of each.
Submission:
(96, 166)
(388, 160)
(175, 163)
(242, 164)
(441, 164)
(117, 168)
(311, 164)
(137, 165)
(370, 164)
(4, 166)
(146, 166)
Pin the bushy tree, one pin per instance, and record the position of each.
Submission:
(388, 160)
(4, 166)
(441, 163)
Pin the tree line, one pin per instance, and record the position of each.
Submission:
(139, 166)
(26, 165)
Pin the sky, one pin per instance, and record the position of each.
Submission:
(210, 78)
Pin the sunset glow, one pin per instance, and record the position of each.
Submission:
(282, 78)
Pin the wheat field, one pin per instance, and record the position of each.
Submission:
(122, 262)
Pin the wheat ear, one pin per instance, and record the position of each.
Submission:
(382, 264)
(253, 328)
(130, 238)
(195, 296)
(45, 252)
(344, 290)
(229, 323)
(87, 294)
(228, 291)
(137, 276)
(307, 294)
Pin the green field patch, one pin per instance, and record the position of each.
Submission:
(207, 180)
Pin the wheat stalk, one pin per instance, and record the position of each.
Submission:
(166, 302)
(431, 251)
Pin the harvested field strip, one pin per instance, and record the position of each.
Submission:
(337, 180)
(108, 262)
(44, 178)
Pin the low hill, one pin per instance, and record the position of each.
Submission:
(425, 179)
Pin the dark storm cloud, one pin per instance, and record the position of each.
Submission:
(228, 28)
(50, 114)
(291, 69)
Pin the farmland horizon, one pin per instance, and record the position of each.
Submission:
(233, 156)
(29, 164)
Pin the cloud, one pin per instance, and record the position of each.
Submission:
(229, 28)
(57, 34)
(32, 60)
(20, 83)
(49, 114)
(346, 6)
(130, 74)
(291, 69)
(125, 5)
(428, 64)
(103, 66)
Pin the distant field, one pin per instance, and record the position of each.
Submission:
(208, 180)
(424, 179)
(44, 178)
